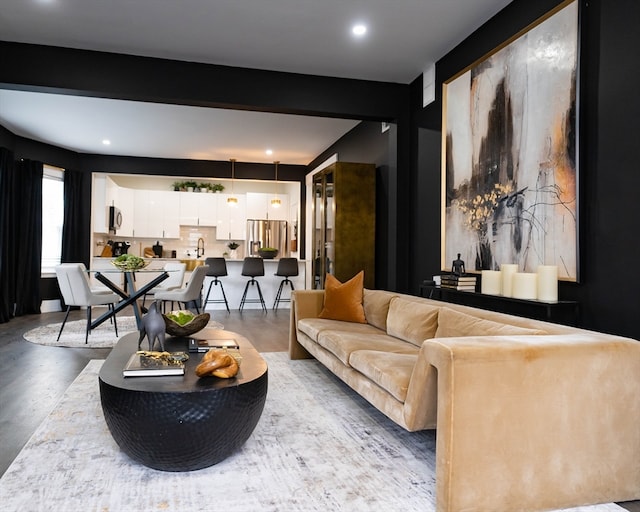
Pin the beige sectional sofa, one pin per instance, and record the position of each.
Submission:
(529, 415)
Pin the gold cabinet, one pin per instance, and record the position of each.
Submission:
(344, 218)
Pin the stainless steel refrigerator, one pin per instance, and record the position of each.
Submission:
(267, 233)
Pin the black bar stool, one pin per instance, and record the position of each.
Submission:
(252, 267)
(217, 268)
(287, 267)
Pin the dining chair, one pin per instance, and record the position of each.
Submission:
(76, 291)
(191, 292)
(175, 280)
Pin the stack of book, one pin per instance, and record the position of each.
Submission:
(465, 282)
(155, 364)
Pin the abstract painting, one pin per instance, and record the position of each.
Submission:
(510, 153)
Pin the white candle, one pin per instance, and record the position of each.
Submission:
(491, 282)
(507, 270)
(525, 285)
(548, 283)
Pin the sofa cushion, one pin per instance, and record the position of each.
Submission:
(343, 301)
(412, 321)
(453, 324)
(312, 327)
(376, 307)
(342, 343)
(392, 372)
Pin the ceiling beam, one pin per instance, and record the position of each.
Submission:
(109, 75)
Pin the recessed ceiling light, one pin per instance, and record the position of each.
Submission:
(359, 29)
(106, 142)
(269, 151)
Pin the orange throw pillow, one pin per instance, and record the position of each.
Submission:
(343, 301)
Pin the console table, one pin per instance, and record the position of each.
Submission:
(560, 312)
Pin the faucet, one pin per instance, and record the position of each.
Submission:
(200, 248)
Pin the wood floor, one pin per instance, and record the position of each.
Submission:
(33, 378)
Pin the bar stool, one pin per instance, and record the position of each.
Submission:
(252, 267)
(287, 267)
(217, 268)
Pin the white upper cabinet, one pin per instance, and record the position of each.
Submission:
(164, 213)
(188, 208)
(232, 220)
(124, 199)
(208, 209)
(259, 206)
(197, 208)
(155, 214)
(99, 201)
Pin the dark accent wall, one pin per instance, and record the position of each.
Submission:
(608, 177)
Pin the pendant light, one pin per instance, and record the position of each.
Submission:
(232, 200)
(275, 202)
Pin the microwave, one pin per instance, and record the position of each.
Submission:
(115, 219)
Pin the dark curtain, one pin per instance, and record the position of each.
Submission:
(21, 237)
(28, 215)
(76, 230)
(7, 259)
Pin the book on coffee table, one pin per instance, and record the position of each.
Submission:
(196, 345)
(140, 365)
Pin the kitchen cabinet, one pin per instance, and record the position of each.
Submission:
(124, 199)
(208, 209)
(343, 231)
(197, 208)
(155, 214)
(259, 206)
(104, 193)
(231, 220)
(99, 204)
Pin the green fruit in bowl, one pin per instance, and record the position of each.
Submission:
(182, 317)
(129, 262)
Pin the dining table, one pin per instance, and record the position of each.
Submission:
(129, 293)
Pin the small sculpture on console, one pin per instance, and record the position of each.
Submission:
(457, 267)
(153, 327)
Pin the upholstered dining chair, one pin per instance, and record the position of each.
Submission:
(191, 292)
(175, 280)
(76, 291)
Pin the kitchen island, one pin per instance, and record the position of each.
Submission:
(233, 284)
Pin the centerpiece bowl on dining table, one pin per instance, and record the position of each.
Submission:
(129, 262)
(184, 322)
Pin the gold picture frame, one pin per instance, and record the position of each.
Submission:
(510, 152)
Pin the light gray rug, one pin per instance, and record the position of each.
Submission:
(104, 336)
(318, 447)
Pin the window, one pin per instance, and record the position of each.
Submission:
(52, 217)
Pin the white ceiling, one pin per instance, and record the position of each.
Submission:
(301, 36)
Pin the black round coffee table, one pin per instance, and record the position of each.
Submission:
(182, 423)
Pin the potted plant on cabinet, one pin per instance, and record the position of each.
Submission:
(217, 187)
(190, 185)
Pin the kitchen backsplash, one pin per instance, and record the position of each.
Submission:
(185, 247)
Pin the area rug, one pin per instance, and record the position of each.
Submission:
(104, 336)
(318, 447)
